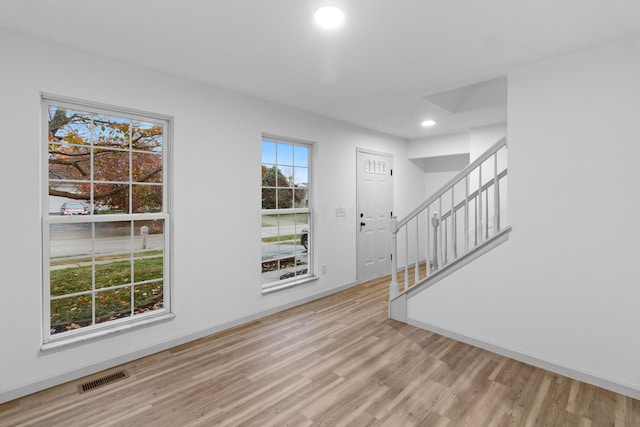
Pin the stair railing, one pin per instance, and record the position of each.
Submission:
(453, 221)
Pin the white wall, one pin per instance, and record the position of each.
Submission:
(216, 220)
(440, 145)
(482, 138)
(441, 157)
(564, 290)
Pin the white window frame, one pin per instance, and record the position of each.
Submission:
(309, 210)
(52, 341)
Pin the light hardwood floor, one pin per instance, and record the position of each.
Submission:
(337, 361)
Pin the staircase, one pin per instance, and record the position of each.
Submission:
(457, 224)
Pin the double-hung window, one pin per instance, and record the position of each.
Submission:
(105, 218)
(286, 213)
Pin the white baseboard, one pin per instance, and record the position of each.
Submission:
(534, 360)
(9, 394)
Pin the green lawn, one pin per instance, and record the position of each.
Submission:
(73, 312)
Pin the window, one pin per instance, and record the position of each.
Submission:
(286, 213)
(105, 218)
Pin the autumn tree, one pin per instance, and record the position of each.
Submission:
(274, 182)
(103, 160)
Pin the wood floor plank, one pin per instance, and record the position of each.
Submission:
(337, 361)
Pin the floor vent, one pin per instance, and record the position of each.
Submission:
(111, 378)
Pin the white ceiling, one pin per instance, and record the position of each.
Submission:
(376, 71)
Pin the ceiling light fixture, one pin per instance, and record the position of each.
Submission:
(329, 17)
(428, 123)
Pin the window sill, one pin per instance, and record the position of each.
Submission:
(57, 344)
(287, 285)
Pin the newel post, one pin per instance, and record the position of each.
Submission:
(435, 223)
(394, 288)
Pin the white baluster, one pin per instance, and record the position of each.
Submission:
(479, 202)
(454, 227)
(427, 250)
(445, 242)
(441, 242)
(466, 213)
(475, 221)
(417, 270)
(496, 196)
(406, 257)
(486, 215)
(394, 288)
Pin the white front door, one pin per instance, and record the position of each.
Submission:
(375, 201)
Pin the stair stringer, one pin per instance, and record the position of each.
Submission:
(398, 304)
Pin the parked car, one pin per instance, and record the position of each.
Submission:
(73, 208)
(304, 238)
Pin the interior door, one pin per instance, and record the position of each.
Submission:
(375, 201)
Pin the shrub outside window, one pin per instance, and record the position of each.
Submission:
(105, 218)
(286, 213)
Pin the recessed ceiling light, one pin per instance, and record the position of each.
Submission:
(329, 16)
(428, 123)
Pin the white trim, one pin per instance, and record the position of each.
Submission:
(398, 308)
(280, 285)
(8, 394)
(311, 147)
(76, 103)
(98, 330)
(497, 239)
(534, 360)
(107, 330)
(93, 331)
(105, 218)
(286, 139)
(368, 151)
(284, 211)
(391, 157)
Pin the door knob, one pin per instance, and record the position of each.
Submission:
(362, 224)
